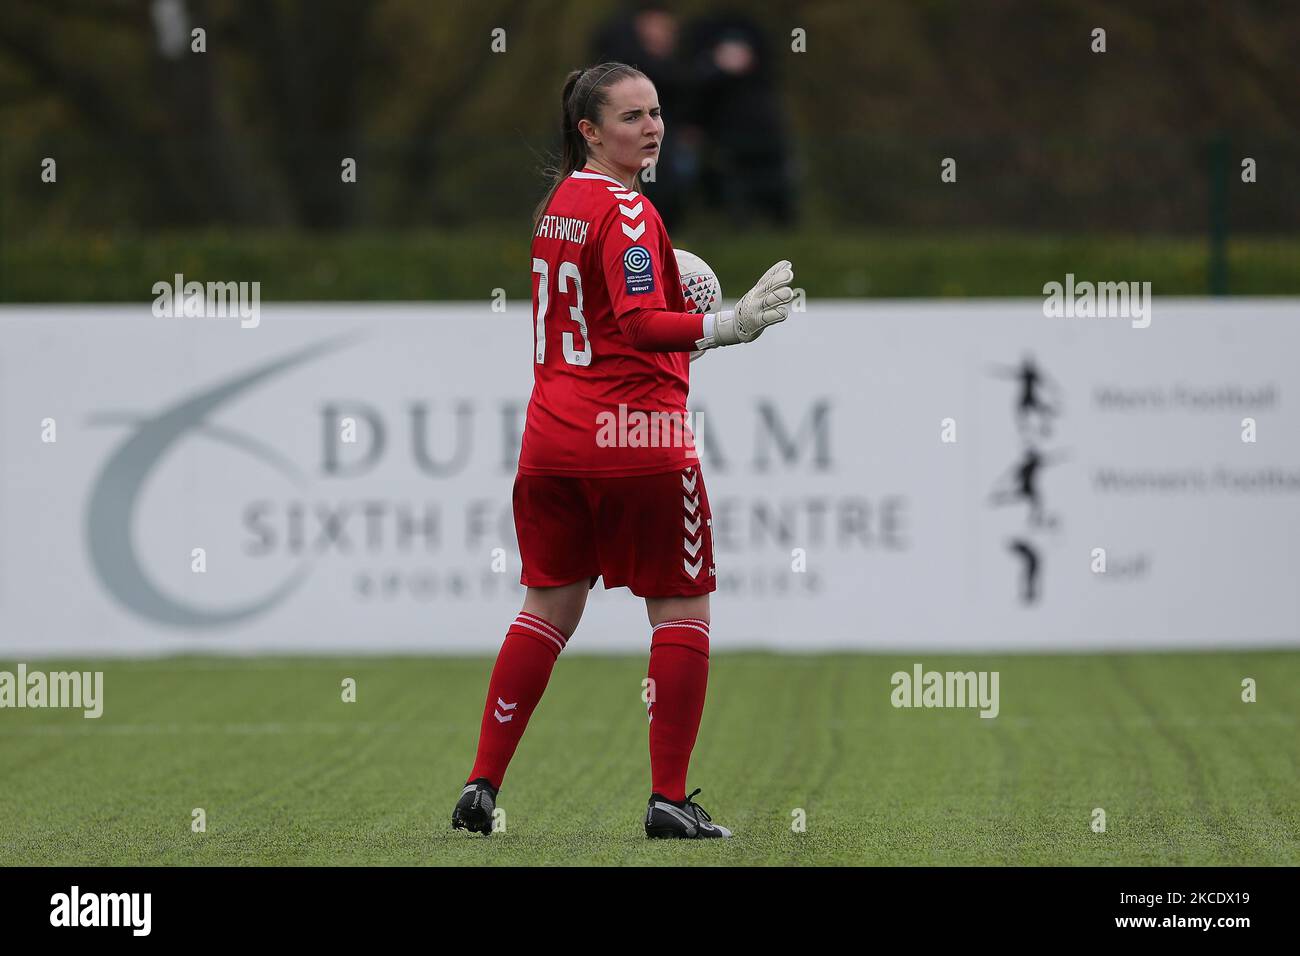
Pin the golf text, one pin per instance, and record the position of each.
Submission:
(1100, 300)
(950, 689)
(216, 300)
(102, 909)
(76, 689)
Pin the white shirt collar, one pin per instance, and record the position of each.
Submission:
(579, 174)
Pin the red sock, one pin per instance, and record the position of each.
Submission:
(523, 667)
(679, 668)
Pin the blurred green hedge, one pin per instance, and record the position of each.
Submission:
(451, 266)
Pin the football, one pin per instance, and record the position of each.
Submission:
(700, 286)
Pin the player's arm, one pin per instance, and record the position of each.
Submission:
(629, 255)
(630, 252)
(657, 330)
(766, 304)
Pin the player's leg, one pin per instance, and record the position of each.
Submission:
(679, 678)
(655, 536)
(561, 606)
(661, 610)
(523, 668)
(552, 523)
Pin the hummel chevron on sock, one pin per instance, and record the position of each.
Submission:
(519, 677)
(679, 670)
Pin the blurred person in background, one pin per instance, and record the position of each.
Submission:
(745, 169)
(646, 35)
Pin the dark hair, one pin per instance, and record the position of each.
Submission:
(584, 97)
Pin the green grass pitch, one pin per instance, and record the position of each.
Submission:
(287, 773)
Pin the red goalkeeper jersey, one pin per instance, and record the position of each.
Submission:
(601, 406)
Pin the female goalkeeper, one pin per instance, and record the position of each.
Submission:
(612, 338)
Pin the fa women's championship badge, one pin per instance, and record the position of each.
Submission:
(638, 271)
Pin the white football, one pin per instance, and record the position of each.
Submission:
(700, 286)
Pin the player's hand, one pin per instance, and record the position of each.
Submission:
(766, 304)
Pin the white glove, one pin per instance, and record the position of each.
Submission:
(766, 304)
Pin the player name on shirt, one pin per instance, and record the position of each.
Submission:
(563, 227)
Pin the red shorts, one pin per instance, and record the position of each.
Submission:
(650, 533)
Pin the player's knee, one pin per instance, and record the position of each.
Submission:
(660, 610)
(561, 607)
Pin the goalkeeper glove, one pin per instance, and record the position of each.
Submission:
(766, 304)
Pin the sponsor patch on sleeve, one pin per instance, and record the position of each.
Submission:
(638, 270)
